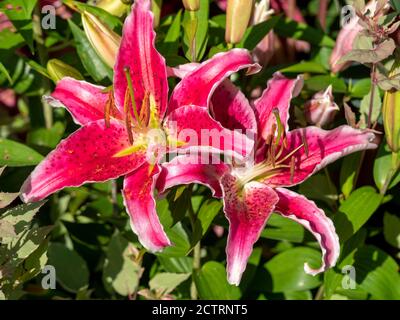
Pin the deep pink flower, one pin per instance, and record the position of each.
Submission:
(116, 134)
(283, 158)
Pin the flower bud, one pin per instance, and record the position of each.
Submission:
(191, 5)
(321, 109)
(391, 119)
(105, 41)
(237, 19)
(58, 70)
(115, 7)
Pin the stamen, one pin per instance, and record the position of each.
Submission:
(273, 147)
(145, 109)
(128, 124)
(290, 154)
(304, 140)
(292, 168)
(107, 110)
(268, 140)
(131, 94)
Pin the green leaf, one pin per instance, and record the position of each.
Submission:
(43, 137)
(35, 263)
(373, 55)
(256, 33)
(170, 44)
(7, 198)
(376, 106)
(280, 228)
(377, 273)
(175, 232)
(304, 67)
(120, 271)
(391, 229)
(361, 88)
(321, 82)
(286, 270)
(298, 295)
(205, 216)
(176, 265)
(97, 69)
(286, 27)
(395, 5)
(9, 39)
(37, 67)
(21, 247)
(4, 70)
(319, 187)
(14, 154)
(22, 18)
(251, 269)
(211, 283)
(71, 270)
(334, 276)
(22, 215)
(167, 282)
(383, 169)
(348, 172)
(355, 211)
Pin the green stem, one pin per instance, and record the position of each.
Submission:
(372, 97)
(320, 293)
(196, 249)
(369, 120)
(42, 53)
(196, 267)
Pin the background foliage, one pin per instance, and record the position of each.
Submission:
(84, 232)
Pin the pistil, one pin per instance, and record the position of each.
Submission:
(130, 93)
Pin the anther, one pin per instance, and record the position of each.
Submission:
(304, 140)
(292, 167)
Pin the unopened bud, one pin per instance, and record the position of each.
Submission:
(105, 41)
(115, 7)
(58, 70)
(391, 119)
(237, 19)
(321, 109)
(191, 5)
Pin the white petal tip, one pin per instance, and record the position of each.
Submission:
(311, 271)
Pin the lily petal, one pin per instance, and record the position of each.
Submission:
(322, 147)
(279, 93)
(197, 86)
(138, 53)
(86, 102)
(298, 208)
(247, 211)
(139, 201)
(232, 109)
(182, 70)
(187, 169)
(200, 132)
(85, 156)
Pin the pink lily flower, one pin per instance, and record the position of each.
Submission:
(116, 135)
(283, 158)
